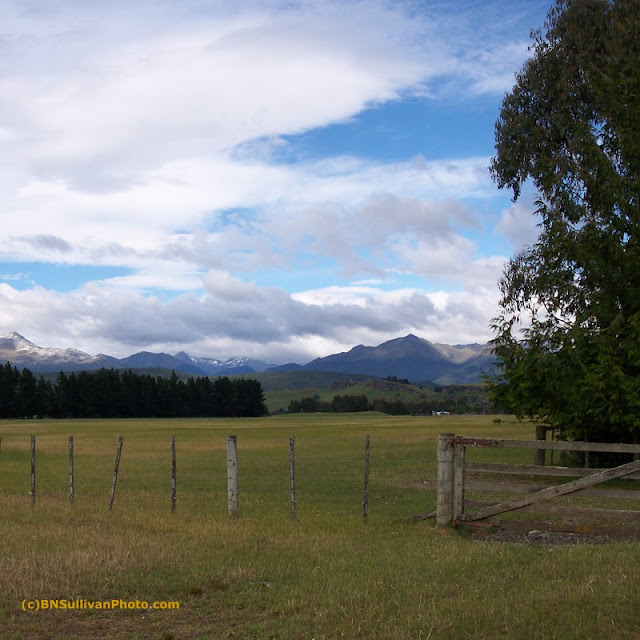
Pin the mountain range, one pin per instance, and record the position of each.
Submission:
(408, 357)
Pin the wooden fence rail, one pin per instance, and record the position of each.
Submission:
(453, 480)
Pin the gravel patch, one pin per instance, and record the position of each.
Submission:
(550, 538)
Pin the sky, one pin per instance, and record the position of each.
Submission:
(276, 179)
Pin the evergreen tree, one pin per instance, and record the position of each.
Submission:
(27, 398)
(568, 333)
(9, 381)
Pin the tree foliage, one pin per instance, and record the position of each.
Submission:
(107, 393)
(568, 332)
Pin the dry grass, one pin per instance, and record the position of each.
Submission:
(327, 575)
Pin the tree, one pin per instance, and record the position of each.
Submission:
(27, 398)
(9, 384)
(45, 397)
(349, 404)
(568, 331)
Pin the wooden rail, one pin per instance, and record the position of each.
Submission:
(452, 470)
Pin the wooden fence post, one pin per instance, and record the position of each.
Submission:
(458, 480)
(232, 476)
(71, 488)
(444, 507)
(115, 472)
(292, 475)
(33, 470)
(365, 498)
(173, 474)
(539, 455)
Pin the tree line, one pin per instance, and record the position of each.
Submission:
(108, 393)
(459, 401)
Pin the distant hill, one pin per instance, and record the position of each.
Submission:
(282, 388)
(148, 360)
(303, 379)
(410, 357)
(413, 358)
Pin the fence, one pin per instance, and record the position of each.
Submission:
(232, 474)
(454, 481)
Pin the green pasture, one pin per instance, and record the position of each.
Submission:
(458, 399)
(261, 575)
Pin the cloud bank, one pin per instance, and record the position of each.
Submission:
(161, 140)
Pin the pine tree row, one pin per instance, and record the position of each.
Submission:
(108, 393)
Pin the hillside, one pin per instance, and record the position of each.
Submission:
(454, 398)
(414, 358)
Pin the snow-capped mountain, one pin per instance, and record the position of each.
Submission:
(410, 357)
(19, 351)
(214, 367)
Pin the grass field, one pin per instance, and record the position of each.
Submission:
(326, 575)
(456, 399)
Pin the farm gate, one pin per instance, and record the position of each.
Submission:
(456, 477)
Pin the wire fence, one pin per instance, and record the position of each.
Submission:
(289, 476)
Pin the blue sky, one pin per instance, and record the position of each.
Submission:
(280, 180)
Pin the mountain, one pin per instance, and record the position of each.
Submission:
(411, 357)
(21, 352)
(232, 366)
(459, 353)
(148, 360)
(290, 366)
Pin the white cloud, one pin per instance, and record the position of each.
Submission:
(151, 137)
(334, 206)
(518, 223)
(264, 322)
(110, 107)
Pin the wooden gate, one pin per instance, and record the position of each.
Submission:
(452, 469)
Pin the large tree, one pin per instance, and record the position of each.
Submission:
(568, 331)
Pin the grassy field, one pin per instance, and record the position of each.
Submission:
(326, 575)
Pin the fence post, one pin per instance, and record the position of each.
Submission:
(539, 455)
(232, 475)
(365, 498)
(458, 480)
(292, 475)
(444, 507)
(173, 474)
(33, 470)
(115, 472)
(71, 488)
